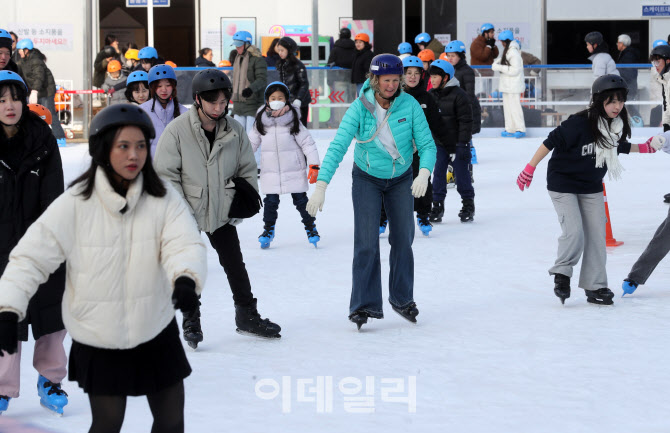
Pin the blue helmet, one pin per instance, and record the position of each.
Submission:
(160, 72)
(274, 86)
(405, 48)
(486, 27)
(5, 34)
(148, 53)
(6, 40)
(8, 76)
(386, 64)
(422, 38)
(445, 66)
(658, 42)
(137, 76)
(506, 35)
(412, 62)
(243, 36)
(25, 43)
(455, 47)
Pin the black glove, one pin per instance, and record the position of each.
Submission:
(247, 92)
(666, 127)
(9, 336)
(463, 152)
(491, 42)
(184, 296)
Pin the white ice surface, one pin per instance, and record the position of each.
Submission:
(493, 351)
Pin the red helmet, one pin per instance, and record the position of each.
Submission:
(42, 112)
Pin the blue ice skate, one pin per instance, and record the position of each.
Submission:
(506, 134)
(4, 403)
(61, 142)
(473, 151)
(382, 227)
(628, 287)
(267, 236)
(424, 224)
(519, 134)
(52, 397)
(312, 235)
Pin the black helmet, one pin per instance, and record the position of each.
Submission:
(210, 79)
(661, 51)
(289, 44)
(121, 115)
(345, 33)
(594, 38)
(608, 82)
(109, 51)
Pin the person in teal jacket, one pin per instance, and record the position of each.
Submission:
(387, 124)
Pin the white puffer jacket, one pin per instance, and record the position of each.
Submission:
(121, 264)
(663, 82)
(511, 75)
(283, 167)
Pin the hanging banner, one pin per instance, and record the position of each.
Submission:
(46, 37)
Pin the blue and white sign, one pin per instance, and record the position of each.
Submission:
(656, 11)
(143, 3)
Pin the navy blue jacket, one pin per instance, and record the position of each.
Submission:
(572, 166)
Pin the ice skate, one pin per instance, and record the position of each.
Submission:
(192, 329)
(4, 403)
(467, 213)
(267, 236)
(602, 296)
(52, 397)
(409, 312)
(666, 198)
(628, 287)
(382, 227)
(359, 318)
(562, 287)
(312, 235)
(249, 322)
(424, 224)
(437, 212)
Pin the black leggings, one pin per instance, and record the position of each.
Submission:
(167, 407)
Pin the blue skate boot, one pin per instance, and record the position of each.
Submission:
(628, 287)
(424, 224)
(382, 227)
(267, 236)
(4, 403)
(312, 235)
(506, 134)
(519, 134)
(52, 397)
(473, 152)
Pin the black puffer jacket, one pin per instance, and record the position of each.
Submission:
(343, 53)
(466, 77)
(31, 177)
(35, 74)
(629, 55)
(361, 65)
(431, 111)
(294, 75)
(456, 113)
(202, 62)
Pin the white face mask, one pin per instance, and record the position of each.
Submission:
(276, 105)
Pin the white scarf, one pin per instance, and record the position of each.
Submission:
(608, 156)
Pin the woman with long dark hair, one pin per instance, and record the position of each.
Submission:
(292, 72)
(163, 106)
(584, 148)
(512, 85)
(133, 254)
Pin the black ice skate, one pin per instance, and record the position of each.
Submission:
(467, 213)
(562, 287)
(437, 212)
(409, 312)
(602, 296)
(666, 198)
(359, 318)
(249, 322)
(192, 328)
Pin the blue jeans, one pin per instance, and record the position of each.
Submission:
(461, 171)
(299, 201)
(367, 193)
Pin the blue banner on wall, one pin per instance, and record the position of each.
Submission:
(656, 11)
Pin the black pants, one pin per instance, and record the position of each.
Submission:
(303, 115)
(227, 245)
(422, 205)
(299, 201)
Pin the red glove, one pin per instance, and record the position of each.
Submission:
(111, 91)
(526, 177)
(647, 147)
(313, 173)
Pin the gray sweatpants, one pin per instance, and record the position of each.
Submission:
(583, 225)
(655, 252)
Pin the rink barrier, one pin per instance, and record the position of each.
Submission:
(610, 241)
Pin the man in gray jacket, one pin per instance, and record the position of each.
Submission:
(200, 152)
(603, 63)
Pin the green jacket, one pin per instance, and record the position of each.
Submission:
(257, 74)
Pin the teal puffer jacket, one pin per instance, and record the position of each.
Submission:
(409, 127)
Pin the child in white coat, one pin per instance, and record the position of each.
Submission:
(512, 85)
(285, 145)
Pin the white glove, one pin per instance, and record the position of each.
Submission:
(32, 99)
(495, 66)
(315, 202)
(420, 184)
(661, 141)
(297, 103)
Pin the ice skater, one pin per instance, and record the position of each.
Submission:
(133, 254)
(512, 85)
(585, 147)
(287, 150)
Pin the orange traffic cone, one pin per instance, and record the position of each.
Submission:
(610, 241)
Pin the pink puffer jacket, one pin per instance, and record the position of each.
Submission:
(283, 166)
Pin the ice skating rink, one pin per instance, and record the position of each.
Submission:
(493, 351)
